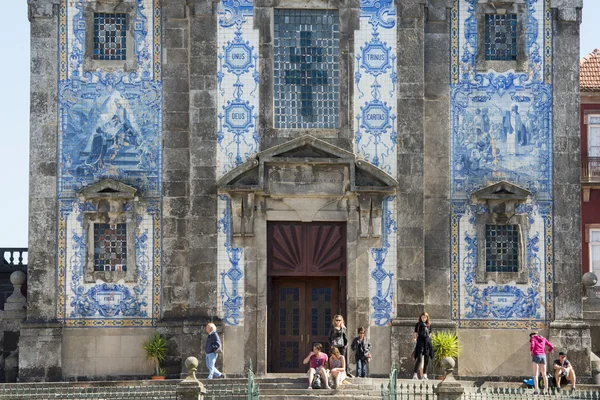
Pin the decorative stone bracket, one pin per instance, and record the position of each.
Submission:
(311, 168)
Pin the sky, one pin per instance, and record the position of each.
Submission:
(14, 111)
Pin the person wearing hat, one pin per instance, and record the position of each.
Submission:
(537, 349)
(564, 369)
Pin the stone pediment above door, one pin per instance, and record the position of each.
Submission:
(306, 167)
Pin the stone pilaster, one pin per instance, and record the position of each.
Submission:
(39, 343)
(436, 203)
(202, 224)
(567, 331)
(410, 174)
(176, 159)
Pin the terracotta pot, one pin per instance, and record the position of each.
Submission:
(158, 378)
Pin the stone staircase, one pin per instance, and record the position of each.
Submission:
(289, 388)
(295, 386)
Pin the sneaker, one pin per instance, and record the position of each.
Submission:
(573, 389)
(350, 375)
(535, 392)
(415, 376)
(425, 377)
(558, 389)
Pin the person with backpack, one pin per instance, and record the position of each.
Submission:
(362, 352)
(318, 367)
(537, 349)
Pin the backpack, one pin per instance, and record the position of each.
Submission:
(316, 383)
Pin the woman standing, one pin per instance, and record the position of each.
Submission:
(537, 349)
(423, 348)
(338, 337)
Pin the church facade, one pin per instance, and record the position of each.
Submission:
(268, 164)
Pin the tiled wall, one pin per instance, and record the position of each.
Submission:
(109, 127)
(501, 129)
(237, 104)
(375, 137)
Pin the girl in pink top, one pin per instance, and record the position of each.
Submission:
(537, 349)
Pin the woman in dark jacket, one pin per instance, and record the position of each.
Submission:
(338, 337)
(423, 347)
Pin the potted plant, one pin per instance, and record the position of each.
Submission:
(445, 345)
(156, 351)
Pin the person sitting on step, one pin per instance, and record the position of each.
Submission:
(318, 365)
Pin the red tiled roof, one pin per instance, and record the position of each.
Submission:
(589, 67)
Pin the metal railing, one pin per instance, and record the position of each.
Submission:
(590, 169)
(528, 394)
(114, 390)
(22, 391)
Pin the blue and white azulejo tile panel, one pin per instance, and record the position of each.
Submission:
(375, 137)
(501, 129)
(230, 269)
(109, 127)
(237, 79)
(237, 138)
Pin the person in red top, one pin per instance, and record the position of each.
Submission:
(318, 365)
(537, 349)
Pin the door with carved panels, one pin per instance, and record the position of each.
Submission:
(306, 268)
(301, 312)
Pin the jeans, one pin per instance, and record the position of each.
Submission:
(361, 368)
(211, 359)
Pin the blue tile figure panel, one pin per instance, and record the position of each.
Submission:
(306, 68)
(110, 40)
(501, 37)
(109, 128)
(110, 247)
(502, 248)
(501, 130)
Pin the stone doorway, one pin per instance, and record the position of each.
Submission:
(306, 275)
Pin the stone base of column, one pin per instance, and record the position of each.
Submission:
(573, 337)
(40, 352)
(402, 343)
(186, 338)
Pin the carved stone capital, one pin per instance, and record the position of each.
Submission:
(568, 10)
(410, 9)
(437, 10)
(42, 9)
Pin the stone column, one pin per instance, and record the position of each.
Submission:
(410, 173)
(40, 340)
(567, 332)
(436, 206)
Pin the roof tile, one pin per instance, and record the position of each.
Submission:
(589, 78)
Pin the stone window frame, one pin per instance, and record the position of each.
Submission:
(109, 202)
(264, 22)
(502, 8)
(482, 275)
(127, 7)
(588, 230)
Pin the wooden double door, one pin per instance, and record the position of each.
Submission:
(307, 267)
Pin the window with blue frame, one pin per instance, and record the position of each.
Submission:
(502, 248)
(110, 36)
(306, 68)
(501, 37)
